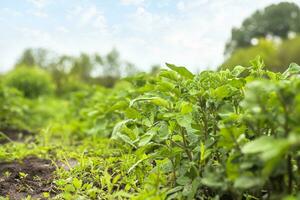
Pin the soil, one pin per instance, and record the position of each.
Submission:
(37, 179)
(14, 135)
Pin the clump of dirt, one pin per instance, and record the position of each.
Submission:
(8, 135)
(31, 176)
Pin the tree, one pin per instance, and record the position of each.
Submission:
(276, 20)
(155, 69)
(83, 67)
(130, 69)
(112, 64)
(27, 59)
(37, 57)
(90, 69)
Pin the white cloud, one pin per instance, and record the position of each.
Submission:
(172, 38)
(38, 9)
(39, 3)
(36, 34)
(88, 16)
(10, 12)
(132, 2)
(40, 13)
(62, 29)
(180, 5)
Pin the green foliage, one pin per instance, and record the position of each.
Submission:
(217, 134)
(275, 20)
(101, 109)
(266, 49)
(11, 108)
(230, 134)
(32, 82)
(18, 113)
(289, 51)
(71, 85)
(275, 55)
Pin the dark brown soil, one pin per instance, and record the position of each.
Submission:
(14, 135)
(36, 179)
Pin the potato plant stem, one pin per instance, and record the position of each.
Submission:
(185, 144)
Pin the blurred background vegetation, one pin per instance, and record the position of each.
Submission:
(271, 33)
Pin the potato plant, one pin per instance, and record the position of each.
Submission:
(222, 135)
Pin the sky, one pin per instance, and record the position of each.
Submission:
(189, 33)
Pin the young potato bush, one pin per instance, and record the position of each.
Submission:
(99, 109)
(216, 135)
(31, 81)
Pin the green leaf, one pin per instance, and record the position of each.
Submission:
(119, 105)
(261, 144)
(132, 113)
(126, 139)
(293, 69)
(221, 92)
(145, 157)
(160, 102)
(116, 179)
(247, 182)
(181, 70)
(116, 134)
(212, 181)
(155, 100)
(187, 190)
(146, 138)
(183, 180)
(118, 127)
(270, 150)
(257, 63)
(77, 183)
(69, 188)
(238, 70)
(174, 190)
(185, 120)
(171, 75)
(186, 107)
(165, 86)
(177, 138)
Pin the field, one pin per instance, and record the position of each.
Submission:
(173, 135)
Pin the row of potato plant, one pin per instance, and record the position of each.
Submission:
(222, 135)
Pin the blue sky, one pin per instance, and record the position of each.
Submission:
(146, 32)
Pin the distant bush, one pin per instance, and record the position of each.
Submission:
(32, 82)
(265, 49)
(289, 51)
(274, 55)
(19, 113)
(71, 85)
(12, 108)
